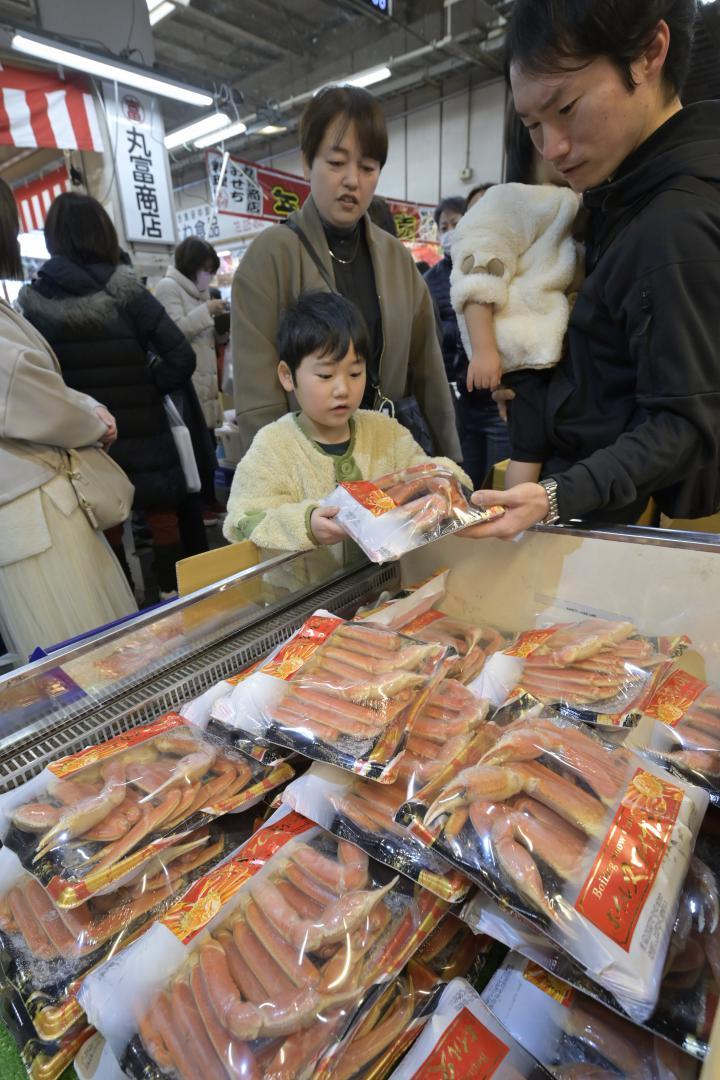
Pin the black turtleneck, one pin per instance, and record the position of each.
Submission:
(355, 280)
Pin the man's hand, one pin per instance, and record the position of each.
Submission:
(525, 505)
(484, 370)
(109, 421)
(324, 529)
(501, 396)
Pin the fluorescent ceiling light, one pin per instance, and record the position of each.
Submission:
(270, 129)
(115, 70)
(189, 132)
(225, 133)
(367, 78)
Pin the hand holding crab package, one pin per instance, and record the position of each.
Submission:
(680, 726)
(363, 811)
(597, 669)
(462, 1031)
(269, 966)
(573, 1035)
(590, 843)
(95, 819)
(342, 692)
(404, 510)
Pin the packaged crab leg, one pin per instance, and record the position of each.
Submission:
(45, 1060)
(271, 975)
(404, 510)
(571, 1034)
(95, 819)
(680, 726)
(473, 644)
(342, 692)
(589, 842)
(462, 1035)
(597, 670)
(46, 950)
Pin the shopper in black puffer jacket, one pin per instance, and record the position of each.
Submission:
(102, 323)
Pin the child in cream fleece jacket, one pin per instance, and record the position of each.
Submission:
(295, 462)
(514, 260)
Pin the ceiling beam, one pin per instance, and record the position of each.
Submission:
(228, 31)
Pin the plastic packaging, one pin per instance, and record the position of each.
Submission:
(597, 670)
(680, 726)
(48, 1061)
(342, 692)
(473, 644)
(45, 950)
(95, 819)
(404, 510)
(265, 973)
(574, 1035)
(589, 843)
(462, 1035)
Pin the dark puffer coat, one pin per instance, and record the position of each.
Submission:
(101, 322)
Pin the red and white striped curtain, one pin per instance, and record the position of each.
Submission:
(37, 108)
(34, 199)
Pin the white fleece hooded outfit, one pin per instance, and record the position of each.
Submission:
(514, 249)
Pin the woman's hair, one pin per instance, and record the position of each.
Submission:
(348, 105)
(10, 261)
(479, 189)
(519, 150)
(548, 36)
(380, 214)
(455, 204)
(193, 254)
(320, 322)
(79, 228)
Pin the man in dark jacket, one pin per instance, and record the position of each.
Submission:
(634, 409)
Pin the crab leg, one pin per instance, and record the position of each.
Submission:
(152, 818)
(35, 817)
(120, 918)
(198, 1048)
(48, 917)
(305, 906)
(234, 1054)
(150, 1025)
(326, 709)
(250, 986)
(69, 792)
(117, 822)
(30, 927)
(361, 1051)
(266, 968)
(381, 639)
(350, 873)
(309, 885)
(88, 812)
(188, 769)
(293, 961)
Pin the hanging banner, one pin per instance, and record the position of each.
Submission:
(202, 221)
(40, 109)
(143, 183)
(35, 199)
(256, 191)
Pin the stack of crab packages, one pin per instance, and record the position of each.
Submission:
(94, 849)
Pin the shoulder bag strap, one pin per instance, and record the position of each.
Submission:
(312, 253)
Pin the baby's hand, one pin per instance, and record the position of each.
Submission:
(484, 371)
(323, 528)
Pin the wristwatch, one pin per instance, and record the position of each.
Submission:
(553, 514)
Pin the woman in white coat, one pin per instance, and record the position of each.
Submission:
(183, 292)
(58, 576)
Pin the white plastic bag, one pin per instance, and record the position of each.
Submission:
(183, 445)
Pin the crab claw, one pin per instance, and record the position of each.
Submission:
(482, 783)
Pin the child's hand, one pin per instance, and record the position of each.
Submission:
(324, 529)
(484, 370)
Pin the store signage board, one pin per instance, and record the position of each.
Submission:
(136, 137)
(251, 190)
(383, 7)
(202, 221)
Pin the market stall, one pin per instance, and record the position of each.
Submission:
(663, 587)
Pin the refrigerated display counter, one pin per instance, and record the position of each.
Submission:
(667, 583)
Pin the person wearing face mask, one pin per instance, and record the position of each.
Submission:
(184, 294)
(332, 244)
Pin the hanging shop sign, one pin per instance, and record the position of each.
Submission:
(40, 109)
(143, 182)
(34, 199)
(413, 221)
(207, 224)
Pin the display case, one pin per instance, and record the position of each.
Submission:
(667, 583)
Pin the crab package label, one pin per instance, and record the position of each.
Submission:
(572, 1034)
(590, 843)
(463, 1038)
(680, 726)
(96, 819)
(597, 670)
(342, 692)
(404, 510)
(274, 977)
(45, 949)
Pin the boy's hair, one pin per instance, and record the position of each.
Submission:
(324, 323)
(545, 36)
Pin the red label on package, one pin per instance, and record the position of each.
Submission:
(422, 621)
(673, 698)
(549, 984)
(370, 496)
(466, 1049)
(530, 641)
(243, 675)
(630, 857)
(301, 647)
(90, 756)
(206, 897)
